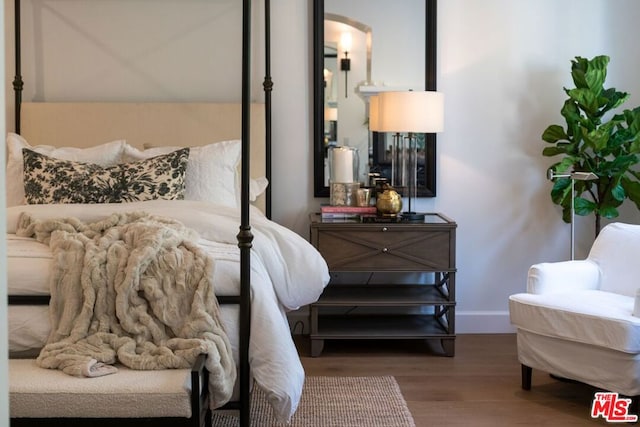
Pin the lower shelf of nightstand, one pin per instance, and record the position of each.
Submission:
(345, 327)
(383, 295)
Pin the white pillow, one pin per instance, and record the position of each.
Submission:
(257, 187)
(108, 154)
(212, 172)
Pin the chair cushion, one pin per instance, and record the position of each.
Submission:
(591, 317)
(615, 251)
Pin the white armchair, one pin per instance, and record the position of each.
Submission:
(576, 319)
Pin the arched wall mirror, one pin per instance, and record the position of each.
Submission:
(363, 47)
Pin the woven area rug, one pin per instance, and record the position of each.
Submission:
(335, 402)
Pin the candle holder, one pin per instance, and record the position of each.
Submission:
(343, 193)
(343, 164)
(343, 173)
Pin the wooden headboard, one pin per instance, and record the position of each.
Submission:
(85, 124)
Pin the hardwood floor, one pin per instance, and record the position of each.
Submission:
(480, 386)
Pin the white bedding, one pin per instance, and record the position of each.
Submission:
(286, 273)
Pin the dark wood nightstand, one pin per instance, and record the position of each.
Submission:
(392, 308)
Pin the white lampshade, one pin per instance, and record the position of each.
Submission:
(374, 113)
(412, 111)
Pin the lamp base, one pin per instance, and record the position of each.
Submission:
(412, 216)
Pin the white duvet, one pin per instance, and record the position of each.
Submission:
(286, 273)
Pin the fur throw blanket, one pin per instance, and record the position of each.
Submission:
(135, 289)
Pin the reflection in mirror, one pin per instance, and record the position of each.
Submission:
(392, 47)
(347, 59)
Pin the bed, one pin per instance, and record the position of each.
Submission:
(194, 186)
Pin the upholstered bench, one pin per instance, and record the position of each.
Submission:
(164, 397)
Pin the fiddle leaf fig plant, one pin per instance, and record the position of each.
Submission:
(594, 139)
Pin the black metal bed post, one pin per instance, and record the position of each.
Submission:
(268, 87)
(245, 237)
(18, 84)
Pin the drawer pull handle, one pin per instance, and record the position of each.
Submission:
(385, 250)
(385, 229)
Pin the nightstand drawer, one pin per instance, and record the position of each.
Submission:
(386, 248)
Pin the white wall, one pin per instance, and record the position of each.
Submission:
(502, 65)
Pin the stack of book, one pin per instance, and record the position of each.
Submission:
(345, 212)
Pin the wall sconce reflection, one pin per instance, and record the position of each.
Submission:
(345, 63)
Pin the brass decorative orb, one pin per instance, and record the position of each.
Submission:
(389, 202)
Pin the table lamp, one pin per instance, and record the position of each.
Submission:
(409, 113)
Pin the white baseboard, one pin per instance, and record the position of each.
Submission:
(483, 322)
(467, 322)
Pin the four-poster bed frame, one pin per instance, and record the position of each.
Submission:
(201, 415)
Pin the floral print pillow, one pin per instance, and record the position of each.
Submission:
(48, 180)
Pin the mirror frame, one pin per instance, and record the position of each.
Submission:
(431, 19)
